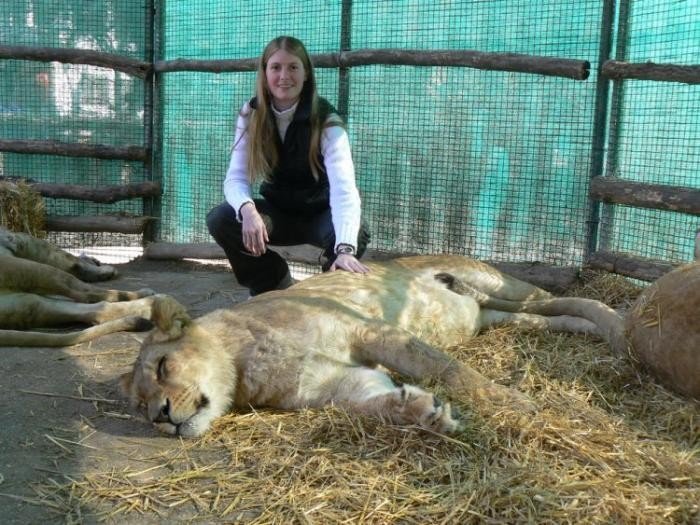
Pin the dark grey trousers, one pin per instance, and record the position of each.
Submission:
(270, 271)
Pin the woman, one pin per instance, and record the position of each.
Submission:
(294, 142)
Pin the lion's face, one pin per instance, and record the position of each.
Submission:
(169, 383)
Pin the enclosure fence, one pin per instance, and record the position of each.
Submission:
(562, 132)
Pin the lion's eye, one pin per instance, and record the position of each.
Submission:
(162, 371)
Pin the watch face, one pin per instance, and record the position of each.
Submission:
(345, 249)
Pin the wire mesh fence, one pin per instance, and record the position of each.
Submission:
(488, 163)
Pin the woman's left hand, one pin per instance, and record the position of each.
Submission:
(349, 263)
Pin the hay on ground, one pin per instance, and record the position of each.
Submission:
(21, 208)
(608, 445)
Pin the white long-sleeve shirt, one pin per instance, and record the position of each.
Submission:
(337, 159)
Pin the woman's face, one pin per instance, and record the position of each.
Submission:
(285, 76)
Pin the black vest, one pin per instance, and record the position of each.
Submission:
(291, 186)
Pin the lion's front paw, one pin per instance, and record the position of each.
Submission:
(423, 408)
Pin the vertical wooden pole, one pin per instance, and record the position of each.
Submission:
(600, 120)
(607, 212)
(149, 205)
(344, 72)
(153, 117)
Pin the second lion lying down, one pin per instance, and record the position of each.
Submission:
(320, 341)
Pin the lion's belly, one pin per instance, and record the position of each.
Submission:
(423, 308)
(444, 322)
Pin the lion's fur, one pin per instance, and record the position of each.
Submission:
(663, 329)
(42, 286)
(319, 342)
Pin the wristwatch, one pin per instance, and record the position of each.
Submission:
(345, 248)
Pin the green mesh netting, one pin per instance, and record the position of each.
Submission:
(491, 164)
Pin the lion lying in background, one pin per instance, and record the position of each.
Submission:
(663, 329)
(42, 286)
(319, 342)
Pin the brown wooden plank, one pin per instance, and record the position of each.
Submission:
(656, 196)
(552, 66)
(66, 149)
(97, 223)
(555, 279)
(126, 65)
(687, 74)
(628, 265)
(102, 194)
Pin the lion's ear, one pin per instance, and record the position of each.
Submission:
(169, 316)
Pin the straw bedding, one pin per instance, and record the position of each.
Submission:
(609, 445)
(21, 208)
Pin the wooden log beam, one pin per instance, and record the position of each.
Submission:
(126, 65)
(556, 279)
(540, 65)
(628, 265)
(66, 149)
(552, 66)
(656, 196)
(102, 194)
(97, 223)
(520, 63)
(206, 66)
(617, 70)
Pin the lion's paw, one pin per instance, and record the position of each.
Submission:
(423, 408)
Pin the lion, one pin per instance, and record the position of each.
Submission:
(42, 286)
(335, 338)
(663, 329)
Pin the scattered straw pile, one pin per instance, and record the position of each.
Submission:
(607, 446)
(21, 208)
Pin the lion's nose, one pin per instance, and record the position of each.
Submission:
(164, 414)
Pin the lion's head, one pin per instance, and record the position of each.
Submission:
(176, 380)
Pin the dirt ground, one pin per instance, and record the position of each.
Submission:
(62, 412)
(608, 444)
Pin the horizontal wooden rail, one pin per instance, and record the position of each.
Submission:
(97, 223)
(617, 70)
(557, 279)
(67, 149)
(539, 65)
(656, 196)
(628, 265)
(126, 65)
(206, 66)
(551, 66)
(102, 194)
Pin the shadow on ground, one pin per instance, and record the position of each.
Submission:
(61, 409)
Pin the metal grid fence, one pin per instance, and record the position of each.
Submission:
(488, 163)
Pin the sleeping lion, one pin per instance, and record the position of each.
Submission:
(42, 286)
(336, 337)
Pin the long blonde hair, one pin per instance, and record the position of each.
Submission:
(262, 159)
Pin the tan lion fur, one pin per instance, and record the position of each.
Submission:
(321, 342)
(42, 286)
(663, 329)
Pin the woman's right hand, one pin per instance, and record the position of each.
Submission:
(254, 232)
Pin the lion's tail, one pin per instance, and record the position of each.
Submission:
(132, 323)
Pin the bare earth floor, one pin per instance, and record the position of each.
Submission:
(48, 432)
(606, 445)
